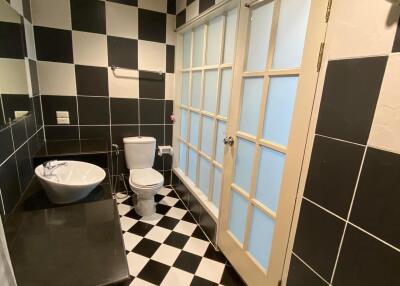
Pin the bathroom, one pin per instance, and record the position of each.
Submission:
(199, 142)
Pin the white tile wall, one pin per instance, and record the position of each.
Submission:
(56, 78)
(13, 78)
(122, 20)
(154, 5)
(30, 40)
(192, 10)
(59, 17)
(151, 56)
(123, 83)
(89, 49)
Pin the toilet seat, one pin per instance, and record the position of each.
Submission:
(147, 178)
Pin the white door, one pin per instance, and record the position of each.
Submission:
(275, 75)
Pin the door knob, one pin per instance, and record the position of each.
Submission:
(229, 140)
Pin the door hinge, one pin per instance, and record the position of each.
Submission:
(321, 54)
(328, 11)
(280, 283)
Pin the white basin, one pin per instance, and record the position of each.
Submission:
(71, 181)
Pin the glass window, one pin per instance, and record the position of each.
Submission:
(198, 42)
(214, 39)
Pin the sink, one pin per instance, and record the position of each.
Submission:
(70, 181)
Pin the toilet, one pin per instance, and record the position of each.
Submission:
(143, 179)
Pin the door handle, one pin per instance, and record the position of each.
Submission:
(229, 140)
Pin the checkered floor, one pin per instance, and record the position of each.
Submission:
(169, 248)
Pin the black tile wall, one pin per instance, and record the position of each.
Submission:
(122, 52)
(151, 85)
(62, 132)
(53, 44)
(12, 43)
(300, 274)
(95, 132)
(52, 104)
(93, 110)
(152, 26)
(181, 18)
(171, 7)
(170, 59)
(6, 144)
(19, 133)
(396, 44)
(24, 164)
(10, 188)
(14, 102)
(124, 111)
(205, 4)
(88, 16)
(151, 111)
(91, 80)
(126, 2)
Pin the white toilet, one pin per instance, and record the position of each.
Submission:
(143, 179)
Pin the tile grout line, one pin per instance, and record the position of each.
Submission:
(309, 267)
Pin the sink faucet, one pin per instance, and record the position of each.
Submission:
(50, 166)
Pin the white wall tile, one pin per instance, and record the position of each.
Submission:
(123, 83)
(28, 77)
(13, 76)
(361, 28)
(151, 56)
(30, 40)
(122, 20)
(170, 86)
(51, 13)
(385, 131)
(154, 5)
(192, 10)
(90, 49)
(7, 14)
(171, 35)
(180, 5)
(17, 5)
(56, 78)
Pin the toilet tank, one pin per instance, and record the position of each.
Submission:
(139, 152)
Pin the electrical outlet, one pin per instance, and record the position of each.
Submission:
(62, 114)
(62, 120)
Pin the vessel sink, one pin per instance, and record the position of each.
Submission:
(69, 181)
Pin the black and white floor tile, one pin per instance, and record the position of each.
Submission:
(169, 248)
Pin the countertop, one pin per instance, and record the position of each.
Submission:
(70, 245)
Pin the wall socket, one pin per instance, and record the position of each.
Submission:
(61, 120)
(62, 114)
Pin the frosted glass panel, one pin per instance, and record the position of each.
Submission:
(182, 157)
(292, 28)
(244, 164)
(186, 49)
(217, 186)
(185, 88)
(210, 90)
(269, 177)
(230, 34)
(279, 112)
(251, 101)
(207, 135)
(194, 128)
(260, 30)
(225, 92)
(237, 223)
(262, 231)
(192, 170)
(214, 38)
(198, 39)
(221, 133)
(196, 89)
(205, 172)
(184, 124)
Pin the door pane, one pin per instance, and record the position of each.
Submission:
(182, 156)
(221, 133)
(205, 173)
(185, 88)
(217, 186)
(280, 104)
(269, 177)
(198, 42)
(230, 35)
(194, 128)
(214, 38)
(251, 101)
(225, 92)
(210, 90)
(261, 234)
(260, 30)
(292, 28)
(207, 135)
(238, 216)
(186, 49)
(184, 124)
(244, 164)
(196, 89)
(192, 171)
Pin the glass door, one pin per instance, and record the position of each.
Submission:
(275, 76)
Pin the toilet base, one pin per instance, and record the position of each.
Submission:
(145, 206)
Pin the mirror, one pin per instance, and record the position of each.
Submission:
(16, 96)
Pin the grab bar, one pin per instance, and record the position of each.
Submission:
(156, 72)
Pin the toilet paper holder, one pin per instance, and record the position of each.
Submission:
(165, 150)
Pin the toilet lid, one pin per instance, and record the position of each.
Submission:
(146, 177)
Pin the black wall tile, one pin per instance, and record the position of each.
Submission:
(208, 225)
(122, 52)
(124, 111)
(30, 124)
(151, 111)
(396, 44)
(91, 80)
(376, 204)
(14, 102)
(62, 132)
(53, 45)
(205, 4)
(126, 2)
(119, 132)
(156, 131)
(169, 110)
(11, 38)
(171, 7)
(6, 144)
(349, 98)
(151, 85)
(19, 133)
(24, 164)
(168, 134)
(181, 18)
(34, 77)
(152, 25)
(10, 190)
(95, 132)
(93, 110)
(333, 174)
(317, 238)
(36, 143)
(300, 274)
(88, 16)
(26, 5)
(38, 110)
(170, 59)
(53, 103)
(366, 261)
(188, 2)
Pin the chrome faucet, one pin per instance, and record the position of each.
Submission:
(50, 166)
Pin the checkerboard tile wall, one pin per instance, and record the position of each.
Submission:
(77, 42)
(186, 10)
(169, 248)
